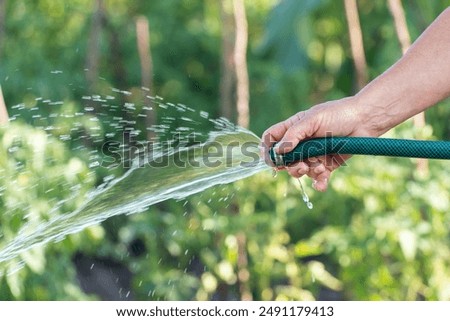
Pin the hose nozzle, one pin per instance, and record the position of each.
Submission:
(277, 159)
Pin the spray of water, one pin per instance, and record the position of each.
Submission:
(164, 168)
(160, 172)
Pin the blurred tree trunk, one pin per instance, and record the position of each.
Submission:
(3, 110)
(242, 264)
(242, 103)
(145, 57)
(356, 42)
(227, 65)
(397, 12)
(240, 63)
(116, 57)
(93, 49)
(2, 25)
(119, 77)
(401, 28)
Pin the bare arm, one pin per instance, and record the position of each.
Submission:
(417, 81)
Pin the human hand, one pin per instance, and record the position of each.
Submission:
(338, 118)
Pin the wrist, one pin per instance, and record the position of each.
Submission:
(375, 117)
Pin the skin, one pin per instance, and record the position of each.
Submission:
(420, 79)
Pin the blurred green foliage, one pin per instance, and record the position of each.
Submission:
(380, 233)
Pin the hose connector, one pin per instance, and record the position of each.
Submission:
(276, 158)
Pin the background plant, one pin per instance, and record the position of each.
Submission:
(381, 232)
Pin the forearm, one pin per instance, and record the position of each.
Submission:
(417, 81)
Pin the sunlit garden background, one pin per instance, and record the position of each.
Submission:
(381, 231)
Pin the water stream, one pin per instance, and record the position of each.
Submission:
(228, 154)
(187, 153)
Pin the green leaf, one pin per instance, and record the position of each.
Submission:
(305, 249)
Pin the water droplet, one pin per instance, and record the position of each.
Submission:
(94, 164)
(64, 137)
(305, 196)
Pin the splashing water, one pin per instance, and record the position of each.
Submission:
(305, 196)
(228, 154)
(163, 170)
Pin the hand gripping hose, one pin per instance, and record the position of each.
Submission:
(363, 146)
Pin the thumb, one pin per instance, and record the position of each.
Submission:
(294, 135)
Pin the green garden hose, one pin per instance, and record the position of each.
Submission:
(363, 146)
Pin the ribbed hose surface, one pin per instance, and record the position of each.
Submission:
(364, 146)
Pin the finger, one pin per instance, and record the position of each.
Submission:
(333, 162)
(274, 134)
(319, 169)
(320, 181)
(298, 169)
(313, 161)
(270, 137)
(319, 172)
(299, 131)
(321, 186)
(277, 132)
